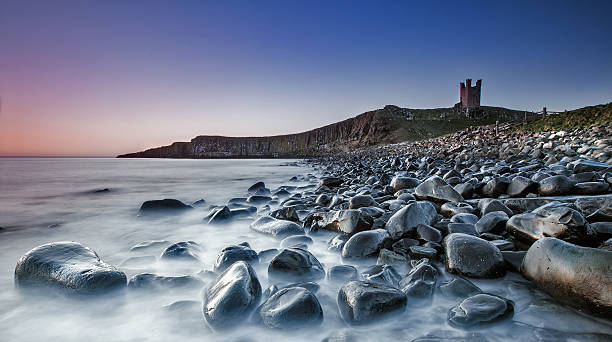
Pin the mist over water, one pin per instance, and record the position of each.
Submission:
(47, 200)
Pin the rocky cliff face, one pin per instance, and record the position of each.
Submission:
(363, 130)
(388, 125)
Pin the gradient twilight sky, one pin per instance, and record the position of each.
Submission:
(100, 78)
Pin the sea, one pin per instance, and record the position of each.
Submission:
(96, 201)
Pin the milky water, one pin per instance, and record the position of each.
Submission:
(46, 200)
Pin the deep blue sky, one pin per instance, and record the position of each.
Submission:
(106, 77)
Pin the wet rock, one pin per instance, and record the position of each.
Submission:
(450, 209)
(586, 166)
(361, 201)
(366, 243)
(437, 190)
(587, 206)
(493, 222)
(420, 282)
(591, 188)
(342, 273)
(221, 216)
(496, 187)
(258, 199)
(337, 242)
(464, 218)
(387, 257)
(165, 206)
(556, 186)
(463, 228)
(602, 230)
(278, 228)
(459, 287)
(466, 190)
(291, 308)
(362, 302)
(578, 276)
(148, 244)
(521, 186)
(480, 309)
(382, 274)
(295, 264)
(401, 182)
(68, 266)
(503, 245)
(560, 222)
(419, 252)
(331, 181)
(428, 233)
(514, 259)
(257, 188)
(151, 281)
(294, 240)
(408, 218)
(489, 206)
(348, 221)
(229, 255)
(232, 297)
(184, 250)
(323, 199)
(286, 213)
(473, 257)
(267, 254)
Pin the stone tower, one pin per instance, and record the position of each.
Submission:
(469, 97)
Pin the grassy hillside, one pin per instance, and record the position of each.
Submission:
(429, 123)
(600, 115)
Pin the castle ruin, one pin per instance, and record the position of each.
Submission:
(469, 97)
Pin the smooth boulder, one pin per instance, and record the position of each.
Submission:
(68, 266)
(407, 219)
(364, 244)
(291, 308)
(278, 228)
(472, 256)
(578, 276)
(436, 189)
(361, 302)
(232, 297)
(295, 264)
(233, 253)
(480, 309)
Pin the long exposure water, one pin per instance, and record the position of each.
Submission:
(47, 200)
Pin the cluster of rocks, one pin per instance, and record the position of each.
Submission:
(423, 218)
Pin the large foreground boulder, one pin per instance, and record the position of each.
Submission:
(232, 297)
(292, 307)
(472, 256)
(578, 276)
(69, 266)
(362, 302)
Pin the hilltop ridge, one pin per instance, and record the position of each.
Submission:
(390, 124)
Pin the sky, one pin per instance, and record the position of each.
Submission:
(101, 78)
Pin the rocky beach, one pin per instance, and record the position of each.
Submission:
(487, 234)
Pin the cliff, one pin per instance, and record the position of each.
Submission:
(388, 125)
